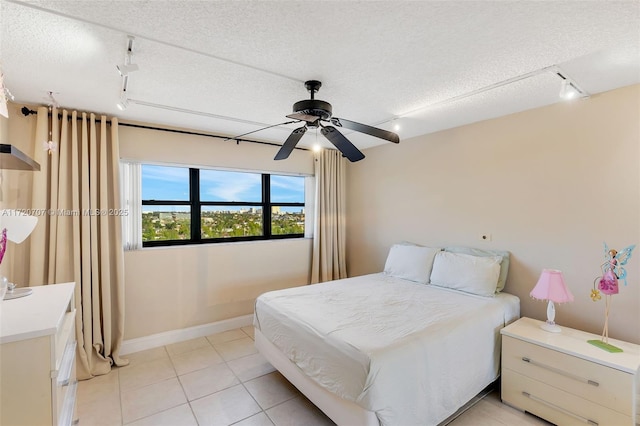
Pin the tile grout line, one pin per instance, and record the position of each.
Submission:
(183, 391)
(478, 400)
(177, 376)
(149, 384)
(240, 382)
(262, 410)
(186, 397)
(245, 388)
(120, 399)
(278, 404)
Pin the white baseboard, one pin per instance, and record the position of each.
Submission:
(175, 336)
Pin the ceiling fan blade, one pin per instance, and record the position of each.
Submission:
(303, 117)
(347, 148)
(363, 128)
(290, 143)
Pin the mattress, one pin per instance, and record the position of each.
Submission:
(411, 353)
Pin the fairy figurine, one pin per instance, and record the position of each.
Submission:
(612, 272)
(613, 269)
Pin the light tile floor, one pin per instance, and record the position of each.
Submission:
(222, 380)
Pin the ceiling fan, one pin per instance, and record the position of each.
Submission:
(314, 113)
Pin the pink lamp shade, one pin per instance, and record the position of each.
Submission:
(551, 287)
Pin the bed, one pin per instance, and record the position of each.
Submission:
(407, 346)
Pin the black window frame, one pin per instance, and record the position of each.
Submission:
(196, 204)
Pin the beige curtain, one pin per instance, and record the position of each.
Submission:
(79, 238)
(328, 257)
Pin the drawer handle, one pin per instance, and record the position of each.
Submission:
(561, 372)
(64, 375)
(555, 407)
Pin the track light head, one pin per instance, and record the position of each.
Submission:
(51, 100)
(125, 69)
(128, 66)
(8, 94)
(123, 104)
(396, 124)
(569, 91)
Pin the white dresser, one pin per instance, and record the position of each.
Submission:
(37, 357)
(565, 380)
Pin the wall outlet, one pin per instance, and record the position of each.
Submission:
(485, 237)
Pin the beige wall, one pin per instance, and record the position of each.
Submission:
(176, 287)
(169, 147)
(550, 185)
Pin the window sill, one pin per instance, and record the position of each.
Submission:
(211, 245)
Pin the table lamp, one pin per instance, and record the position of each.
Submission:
(15, 226)
(551, 287)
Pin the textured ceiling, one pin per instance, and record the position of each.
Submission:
(232, 67)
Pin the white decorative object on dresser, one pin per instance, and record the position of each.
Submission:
(565, 380)
(37, 357)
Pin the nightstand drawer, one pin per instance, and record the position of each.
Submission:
(555, 405)
(597, 383)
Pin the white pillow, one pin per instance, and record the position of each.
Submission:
(411, 263)
(471, 274)
(504, 266)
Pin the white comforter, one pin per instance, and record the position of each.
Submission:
(411, 353)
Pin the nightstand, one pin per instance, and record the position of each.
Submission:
(565, 380)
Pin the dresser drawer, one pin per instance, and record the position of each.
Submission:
(67, 410)
(594, 382)
(65, 334)
(37, 371)
(64, 384)
(556, 405)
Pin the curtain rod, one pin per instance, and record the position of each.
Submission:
(26, 112)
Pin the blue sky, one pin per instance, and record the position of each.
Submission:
(172, 183)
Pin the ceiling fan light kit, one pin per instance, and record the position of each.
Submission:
(313, 112)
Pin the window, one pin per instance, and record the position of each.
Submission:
(287, 205)
(188, 206)
(166, 206)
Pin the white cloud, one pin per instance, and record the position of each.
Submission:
(165, 173)
(287, 188)
(231, 186)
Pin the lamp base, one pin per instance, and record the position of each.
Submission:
(553, 328)
(17, 293)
